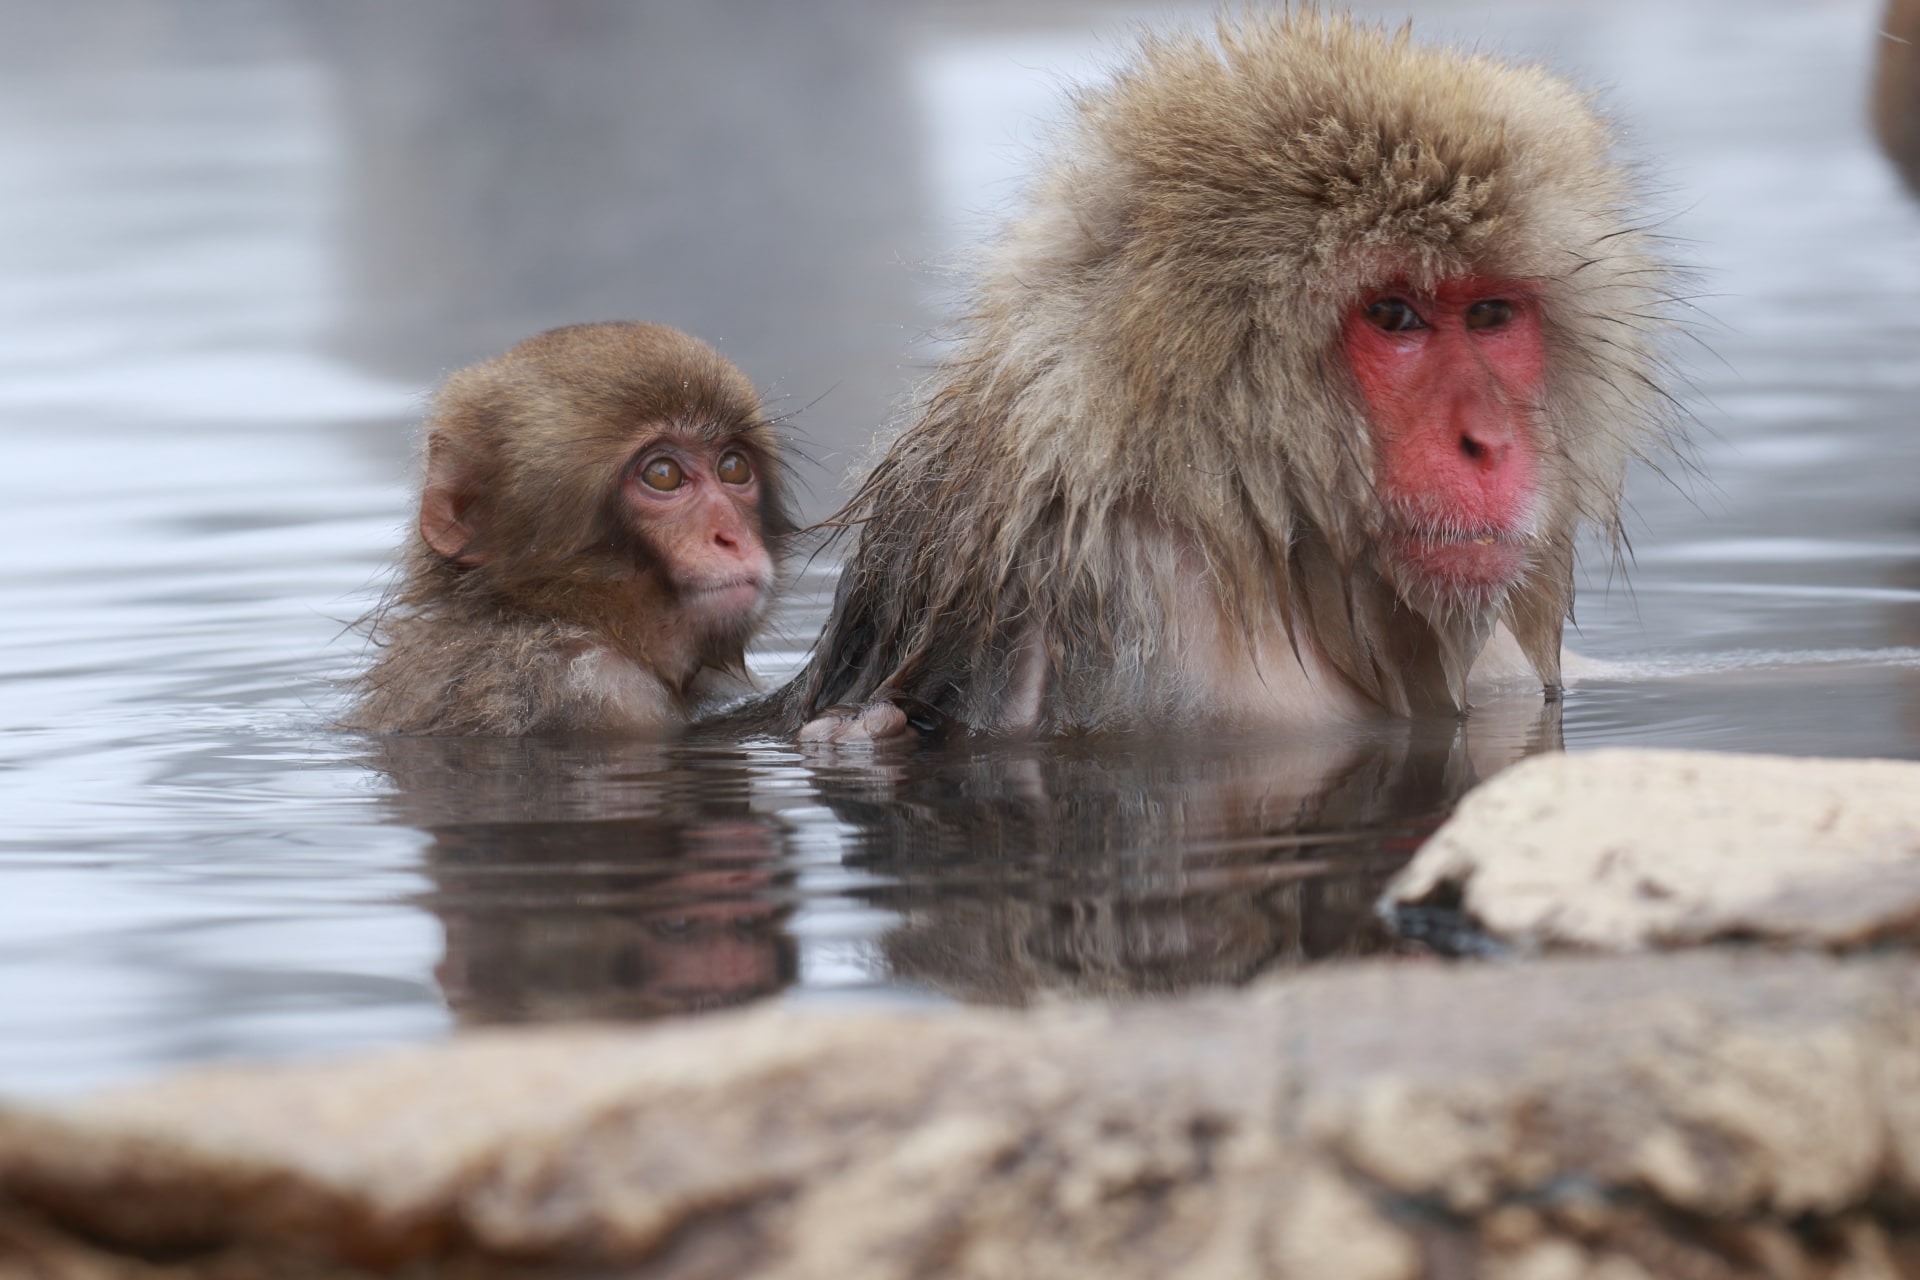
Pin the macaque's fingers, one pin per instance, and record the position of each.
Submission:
(823, 727)
(847, 725)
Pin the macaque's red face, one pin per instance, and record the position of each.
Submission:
(1452, 381)
(696, 503)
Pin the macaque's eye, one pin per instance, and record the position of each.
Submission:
(1395, 315)
(1490, 314)
(663, 474)
(734, 468)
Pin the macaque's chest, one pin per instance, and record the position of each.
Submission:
(1261, 681)
(1180, 660)
(612, 692)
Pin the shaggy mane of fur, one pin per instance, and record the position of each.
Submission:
(1149, 389)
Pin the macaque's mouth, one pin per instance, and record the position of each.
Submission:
(725, 597)
(1463, 559)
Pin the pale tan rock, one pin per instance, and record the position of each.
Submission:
(1332, 1231)
(1629, 849)
(1705, 1114)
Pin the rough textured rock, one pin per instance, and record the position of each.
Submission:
(1629, 849)
(1701, 1115)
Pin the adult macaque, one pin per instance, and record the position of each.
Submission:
(1313, 352)
(593, 540)
(1896, 88)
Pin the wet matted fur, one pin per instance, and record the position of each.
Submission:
(1149, 396)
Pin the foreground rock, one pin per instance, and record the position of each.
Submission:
(1701, 1115)
(1630, 849)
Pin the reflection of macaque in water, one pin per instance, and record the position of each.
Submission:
(1156, 867)
(600, 880)
(627, 919)
(623, 878)
(1896, 88)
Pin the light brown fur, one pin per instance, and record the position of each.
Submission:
(1148, 461)
(545, 608)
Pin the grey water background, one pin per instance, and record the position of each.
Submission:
(238, 243)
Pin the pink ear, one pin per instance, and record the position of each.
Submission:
(447, 506)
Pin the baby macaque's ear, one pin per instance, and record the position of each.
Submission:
(449, 504)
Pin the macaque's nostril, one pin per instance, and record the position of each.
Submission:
(1484, 455)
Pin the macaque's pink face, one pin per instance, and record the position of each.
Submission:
(1452, 381)
(697, 505)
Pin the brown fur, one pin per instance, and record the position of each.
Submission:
(555, 615)
(1896, 89)
(1149, 437)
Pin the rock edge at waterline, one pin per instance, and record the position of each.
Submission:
(1623, 850)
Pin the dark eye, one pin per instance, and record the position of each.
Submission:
(1490, 314)
(734, 468)
(1395, 315)
(663, 474)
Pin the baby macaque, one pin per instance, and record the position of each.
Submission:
(1282, 401)
(593, 547)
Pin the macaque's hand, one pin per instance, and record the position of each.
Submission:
(848, 725)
